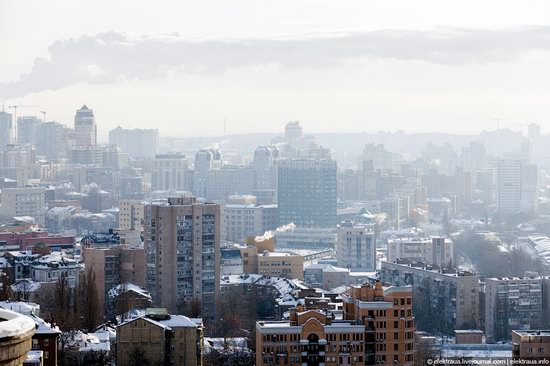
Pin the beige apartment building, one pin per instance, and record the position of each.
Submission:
(113, 266)
(182, 248)
(130, 214)
(531, 344)
(260, 257)
(162, 339)
(377, 328)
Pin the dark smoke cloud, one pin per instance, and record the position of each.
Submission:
(110, 57)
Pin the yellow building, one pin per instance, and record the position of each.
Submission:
(161, 338)
(378, 328)
(259, 256)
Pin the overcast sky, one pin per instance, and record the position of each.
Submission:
(450, 66)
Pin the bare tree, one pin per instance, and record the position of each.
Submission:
(5, 294)
(89, 301)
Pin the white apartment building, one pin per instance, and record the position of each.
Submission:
(25, 201)
(243, 220)
(432, 250)
(356, 247)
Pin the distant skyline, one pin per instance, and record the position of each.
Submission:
(358, 66)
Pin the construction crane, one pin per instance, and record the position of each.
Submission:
(15, 107)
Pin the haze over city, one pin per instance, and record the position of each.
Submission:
(354, 67)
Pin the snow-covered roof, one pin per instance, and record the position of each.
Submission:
(26, 285)
(124, 287)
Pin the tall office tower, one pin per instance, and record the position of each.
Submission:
(182, 248)
(265, 158)
(474, 157)
(50, 141)
(356, 247)
(205, 161)
(516, 186)
(6, 129)
(136, 142)
(169, 172)
(27, 130)
(293, 132)
(307, 193)
(533, 131)
(85, 129)
(512, 304)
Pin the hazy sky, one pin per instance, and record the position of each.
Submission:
(334, 65)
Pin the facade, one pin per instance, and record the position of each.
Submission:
(265, 160)
(182, 248)
(50, 141)
(6, 129)
(27, 130)
(136, 142)
(243, 220)
(378, 328)
(281, 265)
(356, 247)
(433, 250)
(164, 339)
(531, 345)
(452, 296)
(307, 192)
(296, 238)
(512, 304)
(169, 172)
(85, 129)
(516, 186)
(50, 267)
(25, 201)
(130, 214)
(113, 266)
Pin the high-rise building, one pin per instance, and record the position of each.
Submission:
(243, 220)
(142, 143)
(130, 214)
(50, 142)
(450, 298)
(356, 247)
(293, 132)
(6, 129)
(27, 130)
(512, 304)
(474, 157)
(169, 172)
(182, 246)
(378, 328)
(85, 129)
(307, 192)
(265, 159)
(516, 186)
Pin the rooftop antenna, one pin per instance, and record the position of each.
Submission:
(498, 122)
(224, 127)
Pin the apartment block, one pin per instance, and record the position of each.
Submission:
(25, 201)
(130, 214)
(243, 220)
(182, 247)
(512, 304)
(378, 328)
(356, 247)
(449, 298)
(433, 250)
(113, 266)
